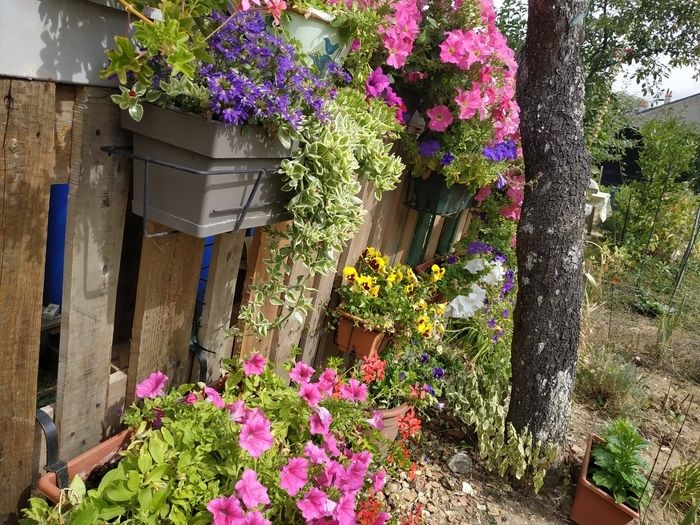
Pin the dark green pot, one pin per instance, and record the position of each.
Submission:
(433, 196)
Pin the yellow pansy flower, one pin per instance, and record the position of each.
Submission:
(349, 274)
(436, 273)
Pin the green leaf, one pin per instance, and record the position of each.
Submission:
(157, 449)
(122, 59)
(136, 112)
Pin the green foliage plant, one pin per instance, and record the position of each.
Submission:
(324, 174)
(392, 298)
(684, 483)
(188, 449)
(609, 383)
(617, 465)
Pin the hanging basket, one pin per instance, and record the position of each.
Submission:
(431, 195)
(202, 177)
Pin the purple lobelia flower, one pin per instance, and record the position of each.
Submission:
(428, 147)
(447, 159)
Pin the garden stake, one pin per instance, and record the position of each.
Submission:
(663, 470)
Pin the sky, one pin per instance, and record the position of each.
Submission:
(680, 82)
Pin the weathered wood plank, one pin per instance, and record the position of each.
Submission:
(65, 101)
(97, 199)
(218, 299)
(289, 334)
(256, 272)
(434, 237)
(27, 137)
(315, 323)
(165, 300)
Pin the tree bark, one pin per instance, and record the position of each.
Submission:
(550, 92)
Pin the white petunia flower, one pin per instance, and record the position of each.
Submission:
(495, 275)
(464, 306)
(476, 265)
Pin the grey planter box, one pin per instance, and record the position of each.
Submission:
(203, 205)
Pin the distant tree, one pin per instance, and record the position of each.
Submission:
(652, 36)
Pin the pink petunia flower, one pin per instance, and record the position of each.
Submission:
(378, 480)
(294, 475)
(310, 393)
(238, 411)
(191, 398)
(331, 445)
(354, 391)
(250, 490)
(355, 45)
(382, 518)
(225, 510)
(512, 211)
(301, 373)
(440, 118)
(255, 518)
(213, 397)
(255, 365)
(326, 381)
(255, 435)
(313, 505)
(482, 194)
(353, 477)
(316, 454)
(376, 421)
(275, 8)
(376, 83)
(415, 76)
(320, 421)
(152, 386)
(344, 511)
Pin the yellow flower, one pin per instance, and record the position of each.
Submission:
(349, 274)
(374, 291)
(363, 283)
(436, 273)
(421, 305)
(439, 309)
(424, 327)
(408, 289)
(411, 276)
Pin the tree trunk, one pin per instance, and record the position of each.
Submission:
(550, 91)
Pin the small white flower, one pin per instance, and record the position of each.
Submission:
(465, 306)
(495, 275)
(476, 265)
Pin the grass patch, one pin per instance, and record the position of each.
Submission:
(606, 382)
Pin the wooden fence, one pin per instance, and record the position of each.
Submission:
(128, 301)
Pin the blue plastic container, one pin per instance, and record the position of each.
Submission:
(55, 244)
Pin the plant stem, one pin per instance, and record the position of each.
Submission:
(129, 8)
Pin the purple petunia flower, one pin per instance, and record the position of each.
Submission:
(424, 357)
(428, 147)
(491, 323)
(478, 247)
(452, 259)
(447, 159)
(438, 373)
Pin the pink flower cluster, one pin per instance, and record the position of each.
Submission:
(326, 480)
(399, 31)
(379, 85)
(515, 192)
(491, 95)
(227, 510)
(274, 7)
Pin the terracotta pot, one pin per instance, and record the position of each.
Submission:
(84, 464)
(391, 417)
(423, 268)
(354, 337)
(592, 505)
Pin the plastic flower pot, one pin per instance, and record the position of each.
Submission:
(354, 337)
(84, 464)
(205, 204)
(318, 38)
(432, 195)
(391, 417)
(592, 505)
